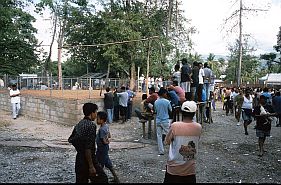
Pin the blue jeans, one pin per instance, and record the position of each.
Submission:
(162, 128)
(109, 115)
(207, 90)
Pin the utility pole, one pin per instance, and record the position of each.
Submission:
(240, 45)
(239, 13)
(147, 66)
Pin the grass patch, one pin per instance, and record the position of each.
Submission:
(4, 123)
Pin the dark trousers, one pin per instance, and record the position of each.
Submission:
(179, 179)
(123, 113)
(82, 172)
(176, 113)
(228, 105)
(116, 113)
(199, 92)
(129, 109)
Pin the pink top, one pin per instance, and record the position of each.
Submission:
(180, 92)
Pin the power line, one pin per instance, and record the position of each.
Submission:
(110, 43)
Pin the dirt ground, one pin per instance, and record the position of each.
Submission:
(36, 151)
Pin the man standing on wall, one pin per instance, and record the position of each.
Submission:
(185, 77)
(201, 77)
(15, 100)
(207, 81)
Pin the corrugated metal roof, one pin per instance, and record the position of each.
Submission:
(274, 79)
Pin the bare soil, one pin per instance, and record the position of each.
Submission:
(36, 151)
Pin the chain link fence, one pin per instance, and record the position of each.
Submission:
(34, 82)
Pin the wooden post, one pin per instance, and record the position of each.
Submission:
(149, 127)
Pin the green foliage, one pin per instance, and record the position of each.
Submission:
(17, 40)
(272, 65)
(278, 45)
(117, 22)
(216, 65)
(249, 65)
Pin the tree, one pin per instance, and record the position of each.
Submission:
(277, 47)
(239, 14)
(272, 64)
(17, 41)
(59, 11)
(215, 65)
(249, 68)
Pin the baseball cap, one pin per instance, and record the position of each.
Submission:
(189, 106)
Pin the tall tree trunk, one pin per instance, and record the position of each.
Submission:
(47, 65)
(107, 74)
(60, 44)
(133, 73)
(169, 19)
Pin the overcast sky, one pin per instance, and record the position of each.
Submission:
(207, 16)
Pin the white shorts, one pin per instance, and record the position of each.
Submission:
(185, 86)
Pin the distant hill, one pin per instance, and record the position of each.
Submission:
(204, 57)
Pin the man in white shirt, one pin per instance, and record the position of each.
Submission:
(15, 100)
(123, 104)
(142, 83)
(201, 81)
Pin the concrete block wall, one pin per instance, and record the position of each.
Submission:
(62, 111)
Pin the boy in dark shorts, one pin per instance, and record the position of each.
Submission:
(103, 140)
(262, 112)
(83, 139)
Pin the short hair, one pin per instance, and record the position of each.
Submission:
(177, 67)
(107, 89)
(152, 89)
(102, 115)
(175, 83)
(162, 91)
(184, 61)
(188, 114)
(89, 108)
(123, 88)
(14, 85)
(144, 96)
(206, 64)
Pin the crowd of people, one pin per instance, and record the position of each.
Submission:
(248, 104)
(192, 89)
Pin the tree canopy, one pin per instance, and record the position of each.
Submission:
(17, 41)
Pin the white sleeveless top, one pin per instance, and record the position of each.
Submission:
(247, 103)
